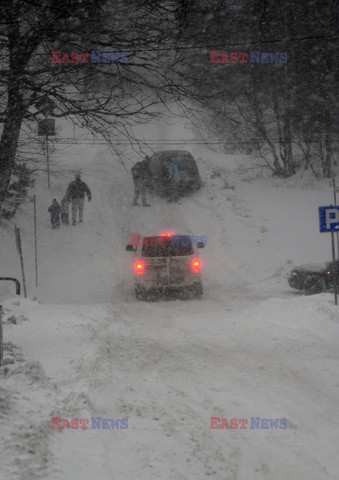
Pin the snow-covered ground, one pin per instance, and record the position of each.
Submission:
(81, 346)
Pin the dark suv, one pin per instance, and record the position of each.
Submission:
(189, 173)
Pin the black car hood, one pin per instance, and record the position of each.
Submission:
(311, 267)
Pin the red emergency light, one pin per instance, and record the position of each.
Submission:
(139, 267)
(196, 265)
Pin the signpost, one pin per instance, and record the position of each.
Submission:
(32, 199)
(329, 222)
(46, 126)
(1, 337)
(35, 242)
(19, 250)
(335, 203)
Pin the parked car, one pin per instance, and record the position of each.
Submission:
(188, 169)
(167, 265)
(313, 278)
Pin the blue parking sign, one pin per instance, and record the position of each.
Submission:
(329, 218)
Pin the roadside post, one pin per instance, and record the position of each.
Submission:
(335, 190)
(32, 199)
(19, 250)
(46, 126)
(329, 222)
(1, 338)
(35, 243)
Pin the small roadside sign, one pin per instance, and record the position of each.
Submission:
(329, 218)
(329, 222)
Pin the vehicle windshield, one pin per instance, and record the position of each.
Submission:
(179, 245)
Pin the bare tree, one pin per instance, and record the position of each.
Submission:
(105, 98)
(283, 110)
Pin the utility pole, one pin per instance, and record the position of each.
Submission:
(335, 203)
(46, 126)
(47, 159)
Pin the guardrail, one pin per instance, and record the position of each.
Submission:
(17, 283)
(17, 291)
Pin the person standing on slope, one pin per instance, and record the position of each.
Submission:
(142, 175)
(173, 178)
(76, 194)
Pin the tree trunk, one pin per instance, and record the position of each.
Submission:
(328, 157)
(10, 137)
(14, 112)
(288, 161)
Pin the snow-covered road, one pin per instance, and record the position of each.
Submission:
(249, 348)
(168, 368)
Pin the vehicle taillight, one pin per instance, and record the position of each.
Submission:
(139, 267)
(196, 266)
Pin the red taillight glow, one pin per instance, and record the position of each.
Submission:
(196, 266)
(139, 267)
(167, 234)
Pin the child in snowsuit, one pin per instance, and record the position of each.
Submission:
(55, 211)
(65, 211)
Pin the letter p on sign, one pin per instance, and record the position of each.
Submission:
(329, 218)
(332, 216)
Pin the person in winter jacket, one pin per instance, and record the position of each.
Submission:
(55, 211)
(142, 175)
(76, 194)
(65, 211)
(174, 178)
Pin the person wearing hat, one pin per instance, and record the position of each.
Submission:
(76, 194)
(142, 175)
(55, 211)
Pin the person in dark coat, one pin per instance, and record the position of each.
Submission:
(65, 211)
(76, 194)
(142, 175)
(55, 211)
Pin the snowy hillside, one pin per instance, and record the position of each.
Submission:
(81, 346)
